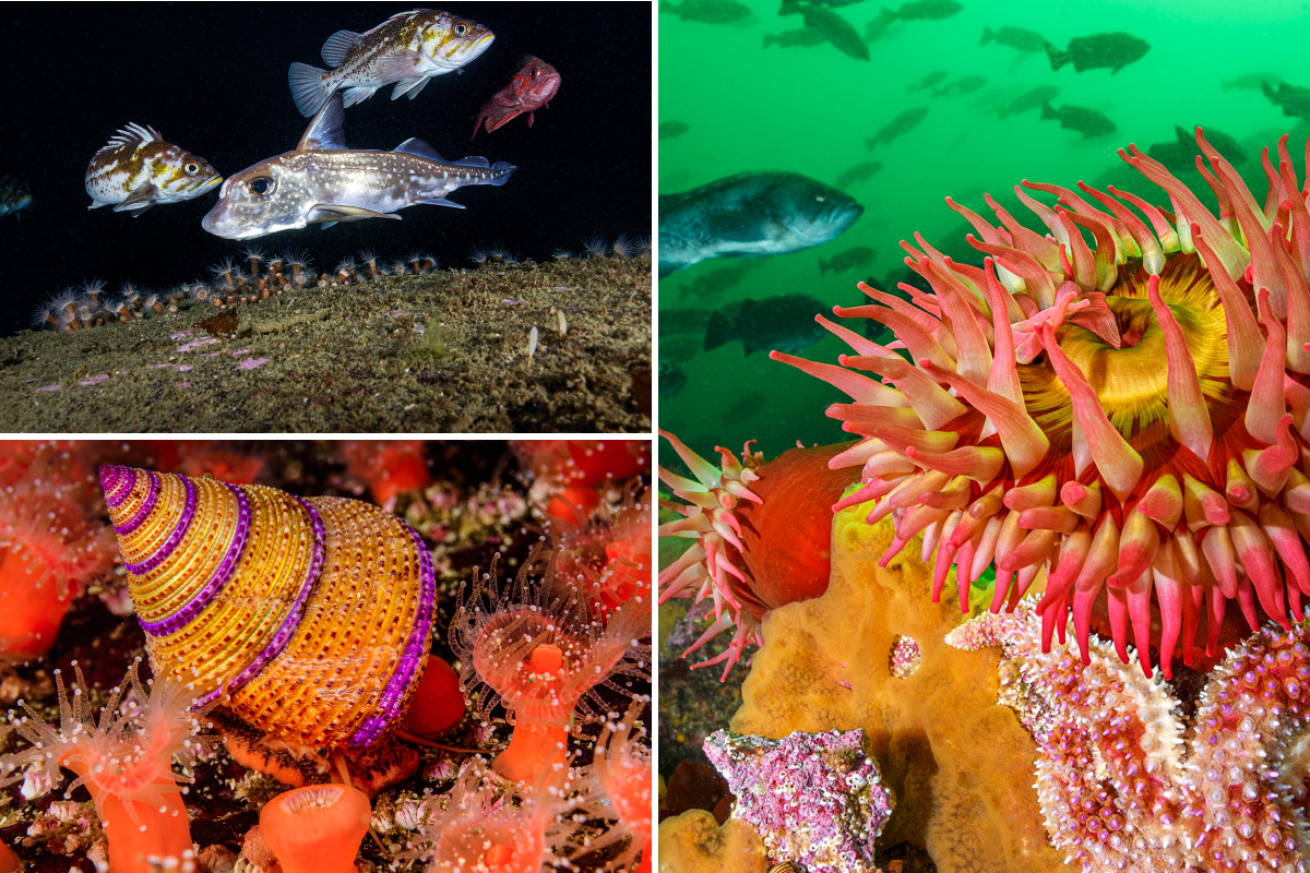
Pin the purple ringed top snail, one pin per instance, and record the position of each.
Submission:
(309, 618)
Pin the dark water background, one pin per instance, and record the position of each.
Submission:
(809, 110)
(212, 79)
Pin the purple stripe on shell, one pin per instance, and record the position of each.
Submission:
(147, 506)
(393, 696)
(188, 512)
(217, 582)
(292, 620)
(112, 479)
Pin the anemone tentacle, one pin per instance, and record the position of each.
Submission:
(1116, 405)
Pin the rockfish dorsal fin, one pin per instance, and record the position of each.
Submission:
(327, 130)
(338, 45)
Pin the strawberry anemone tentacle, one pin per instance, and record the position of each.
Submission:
(1114, 409)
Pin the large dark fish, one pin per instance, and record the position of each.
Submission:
(409, 48)
(670, 129)
(1089, 122)
(1294, 101)
(1112, 51)
(750, 215)
(1030, 99)
(785, 323)
(707, 11)
(793, 7)
(1015, 37)
(836, 30)
(858, 173)
(323, 182)
(897, 127)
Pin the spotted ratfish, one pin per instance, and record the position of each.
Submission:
(750, 215)
(323, 182)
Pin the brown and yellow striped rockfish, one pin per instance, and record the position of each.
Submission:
(138, 170)
(408, 49)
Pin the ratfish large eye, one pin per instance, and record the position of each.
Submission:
(461, 29)
(262, 185)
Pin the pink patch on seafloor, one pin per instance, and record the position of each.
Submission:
(197, 344)
(182, 368)
(252, 363)
(50, 388)
(181, 336)
(95, 380)
(239, 352)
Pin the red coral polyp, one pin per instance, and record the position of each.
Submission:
(125, 760)
(1119, 406)
(534, 648)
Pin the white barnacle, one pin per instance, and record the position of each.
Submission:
(532, 344)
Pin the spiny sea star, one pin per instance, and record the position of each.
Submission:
(1125, 783)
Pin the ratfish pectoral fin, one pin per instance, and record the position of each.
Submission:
(334, 212)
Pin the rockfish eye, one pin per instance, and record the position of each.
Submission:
(192, 169)
(262, 185)
(461, 29)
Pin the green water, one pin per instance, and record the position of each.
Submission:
(808, 110)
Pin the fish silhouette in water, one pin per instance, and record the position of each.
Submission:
(897, 127)
(803, 36)
(1112, 51)
(1030, 99)
(750, 215)
(670, 129)
(707, 11)
(784, 323)
(1181, 153)
(919, 10)
(323, 182)
(858, 173)
(408, 49)
(836, 30)
(1251, 81)
(847, 260)
(1018, 38)
(1294, 101)
(1089, 122)
(960, 87)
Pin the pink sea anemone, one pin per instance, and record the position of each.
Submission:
(1116, 406)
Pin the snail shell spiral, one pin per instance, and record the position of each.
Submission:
(310, 617)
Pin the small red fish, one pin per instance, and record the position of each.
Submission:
(535, 82)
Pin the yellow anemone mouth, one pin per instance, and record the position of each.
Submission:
(1127, 371)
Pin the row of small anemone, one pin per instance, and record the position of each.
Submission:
(229, 283)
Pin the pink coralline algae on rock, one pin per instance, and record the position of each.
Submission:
(1125, 784)
(816, 799)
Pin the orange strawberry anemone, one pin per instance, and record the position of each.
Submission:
(1116, 407)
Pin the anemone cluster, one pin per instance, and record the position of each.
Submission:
(230, 283)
